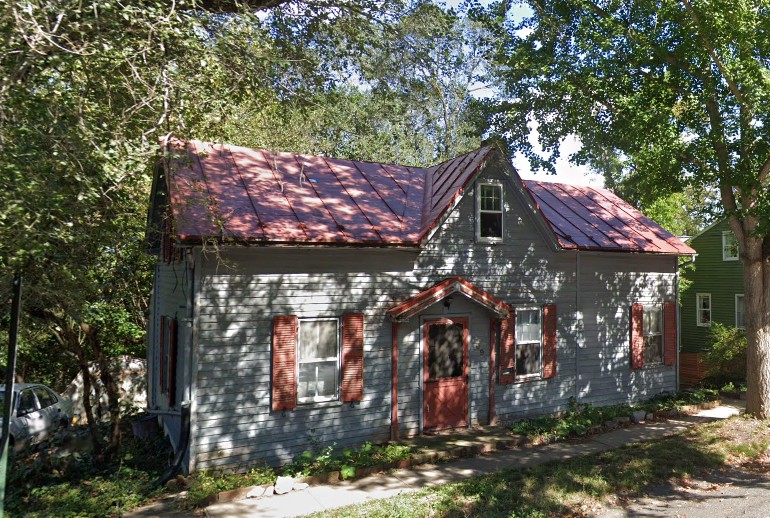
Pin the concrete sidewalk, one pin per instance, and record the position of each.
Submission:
(324, 497)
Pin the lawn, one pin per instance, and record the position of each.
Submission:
(580, 486)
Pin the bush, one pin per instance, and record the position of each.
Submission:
(725, 360)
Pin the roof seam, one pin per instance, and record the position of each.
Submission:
(626, 224)
(345, 190)
(248, 194)
(274, 170)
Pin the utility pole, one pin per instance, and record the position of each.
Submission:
(10, 374)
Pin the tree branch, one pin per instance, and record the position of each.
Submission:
(714, 57)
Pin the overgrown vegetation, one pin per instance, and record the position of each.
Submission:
(68, 479)
(725, 358)
(326, 460)
(208, 483)
(581, 418)
(310, 463)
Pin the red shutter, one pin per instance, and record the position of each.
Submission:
(507, 349)
(669, 333)
(284, 382)
(352, 357)
(172, 334)
(162, 355)
(637, 336)
(549, 341)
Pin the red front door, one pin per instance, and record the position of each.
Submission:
(445, 373)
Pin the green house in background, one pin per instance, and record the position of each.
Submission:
(714, 295)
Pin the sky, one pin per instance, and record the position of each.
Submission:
(565, 171)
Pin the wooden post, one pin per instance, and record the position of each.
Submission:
(492, 368)
(10, 374)
(394, 382)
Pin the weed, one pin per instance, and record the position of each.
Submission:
(581, 418)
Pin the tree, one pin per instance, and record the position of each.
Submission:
(86, 89)
(673, 93)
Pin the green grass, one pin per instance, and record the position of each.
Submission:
(555, 488)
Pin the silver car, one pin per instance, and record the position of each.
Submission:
(36, 414)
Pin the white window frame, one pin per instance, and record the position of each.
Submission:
(653, 333)
(336, 394)
(539, 373)
(743, 299)
(728, 238)
(479, 212)
(698, 308)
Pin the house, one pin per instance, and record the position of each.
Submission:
(714, 294)
(305, 301)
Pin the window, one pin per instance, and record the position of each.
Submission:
(528, 344)
(729, 246)
(703, 304)
(739, 312)
(27, 402)
(45, 397)
(653, 334)
(317, 360)
(652, 330)
(489, 217)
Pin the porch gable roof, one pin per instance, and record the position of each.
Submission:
(426, 298)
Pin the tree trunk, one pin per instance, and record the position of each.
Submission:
(93, 425)
(756, 278)
(113, 399)
(108, 380)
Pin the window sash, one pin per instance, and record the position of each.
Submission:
(740, 311)
(529, 343)
(489, 214)
(652, 331)
(729, 246)
(703, 308)
(318, 360)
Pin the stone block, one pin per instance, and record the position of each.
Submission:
(283, 485)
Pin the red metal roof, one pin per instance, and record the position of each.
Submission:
(253, 195)
(430, 296)
(588, 218)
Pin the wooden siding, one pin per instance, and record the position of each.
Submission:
(609, 285)
(709, 274)
(242, 289)
(170, 299)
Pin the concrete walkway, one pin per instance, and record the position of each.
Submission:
(324, 497)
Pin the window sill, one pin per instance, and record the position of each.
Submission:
(531, 377)
(319, 404)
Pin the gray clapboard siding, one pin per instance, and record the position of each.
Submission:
(243, 288)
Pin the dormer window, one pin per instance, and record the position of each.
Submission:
(489, 213)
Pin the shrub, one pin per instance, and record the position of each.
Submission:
(725, 359)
